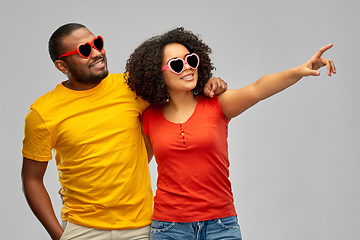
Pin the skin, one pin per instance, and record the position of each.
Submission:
(182, 101)
(38, 198)
(78, 70)
(233, 101)
(83, 74)
(236, 101)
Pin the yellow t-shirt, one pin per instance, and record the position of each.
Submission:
(99, 151)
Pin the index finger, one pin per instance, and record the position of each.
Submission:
(214, 86)
(319, 53)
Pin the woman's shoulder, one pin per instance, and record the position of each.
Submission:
(209, 101)
(211, 105)
(152, 111)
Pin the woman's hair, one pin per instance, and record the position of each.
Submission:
(144, 75)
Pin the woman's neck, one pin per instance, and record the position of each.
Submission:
(180, 107)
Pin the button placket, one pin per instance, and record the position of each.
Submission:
(182, 135)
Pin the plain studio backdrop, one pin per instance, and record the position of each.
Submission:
(294, 157)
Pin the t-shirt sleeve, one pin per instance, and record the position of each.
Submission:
(216, 104)
(37, 143)
(143, 104)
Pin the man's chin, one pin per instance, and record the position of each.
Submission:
(100, 76)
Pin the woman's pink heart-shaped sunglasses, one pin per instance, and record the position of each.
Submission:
(177, 65)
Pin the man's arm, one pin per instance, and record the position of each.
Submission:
(38, 198)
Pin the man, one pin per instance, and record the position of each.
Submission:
(92, 122)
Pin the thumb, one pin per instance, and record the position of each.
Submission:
(209, 90)
(309, 71)
(212, 90)
(313, 73)
(211, 94)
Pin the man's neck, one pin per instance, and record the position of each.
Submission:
(79, 86)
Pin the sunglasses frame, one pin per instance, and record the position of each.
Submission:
(168, 65)
(92, 45)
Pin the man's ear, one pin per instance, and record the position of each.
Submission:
(62, 66)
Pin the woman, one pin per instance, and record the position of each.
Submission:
(188, 132)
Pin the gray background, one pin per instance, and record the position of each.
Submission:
(294, 157)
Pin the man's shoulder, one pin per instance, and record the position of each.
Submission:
(47, 96)
(117, 77)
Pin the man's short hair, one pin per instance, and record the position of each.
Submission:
(56, 46)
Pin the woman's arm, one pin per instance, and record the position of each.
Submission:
(149, 148)
(148, 145)
(234, 102)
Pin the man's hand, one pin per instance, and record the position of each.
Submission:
(215, 85)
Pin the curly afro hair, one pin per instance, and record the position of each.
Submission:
(144, 75)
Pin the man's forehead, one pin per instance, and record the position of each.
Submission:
(77, 37)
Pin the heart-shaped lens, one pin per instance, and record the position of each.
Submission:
(85, 50)
(177, 65)
(99, 43)
(192, 60)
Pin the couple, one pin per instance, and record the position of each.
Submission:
(92, 123)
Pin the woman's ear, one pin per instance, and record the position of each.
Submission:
(62, 66)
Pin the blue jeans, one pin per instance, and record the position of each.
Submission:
(222, 228)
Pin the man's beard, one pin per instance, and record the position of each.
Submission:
(80, 76)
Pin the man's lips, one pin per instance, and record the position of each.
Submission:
(98, 63)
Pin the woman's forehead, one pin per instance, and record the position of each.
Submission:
(175, 50)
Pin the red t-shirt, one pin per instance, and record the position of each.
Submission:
(193, 166)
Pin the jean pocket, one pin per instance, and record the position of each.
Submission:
(160, 226)
(229, 222)
(65, 226)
